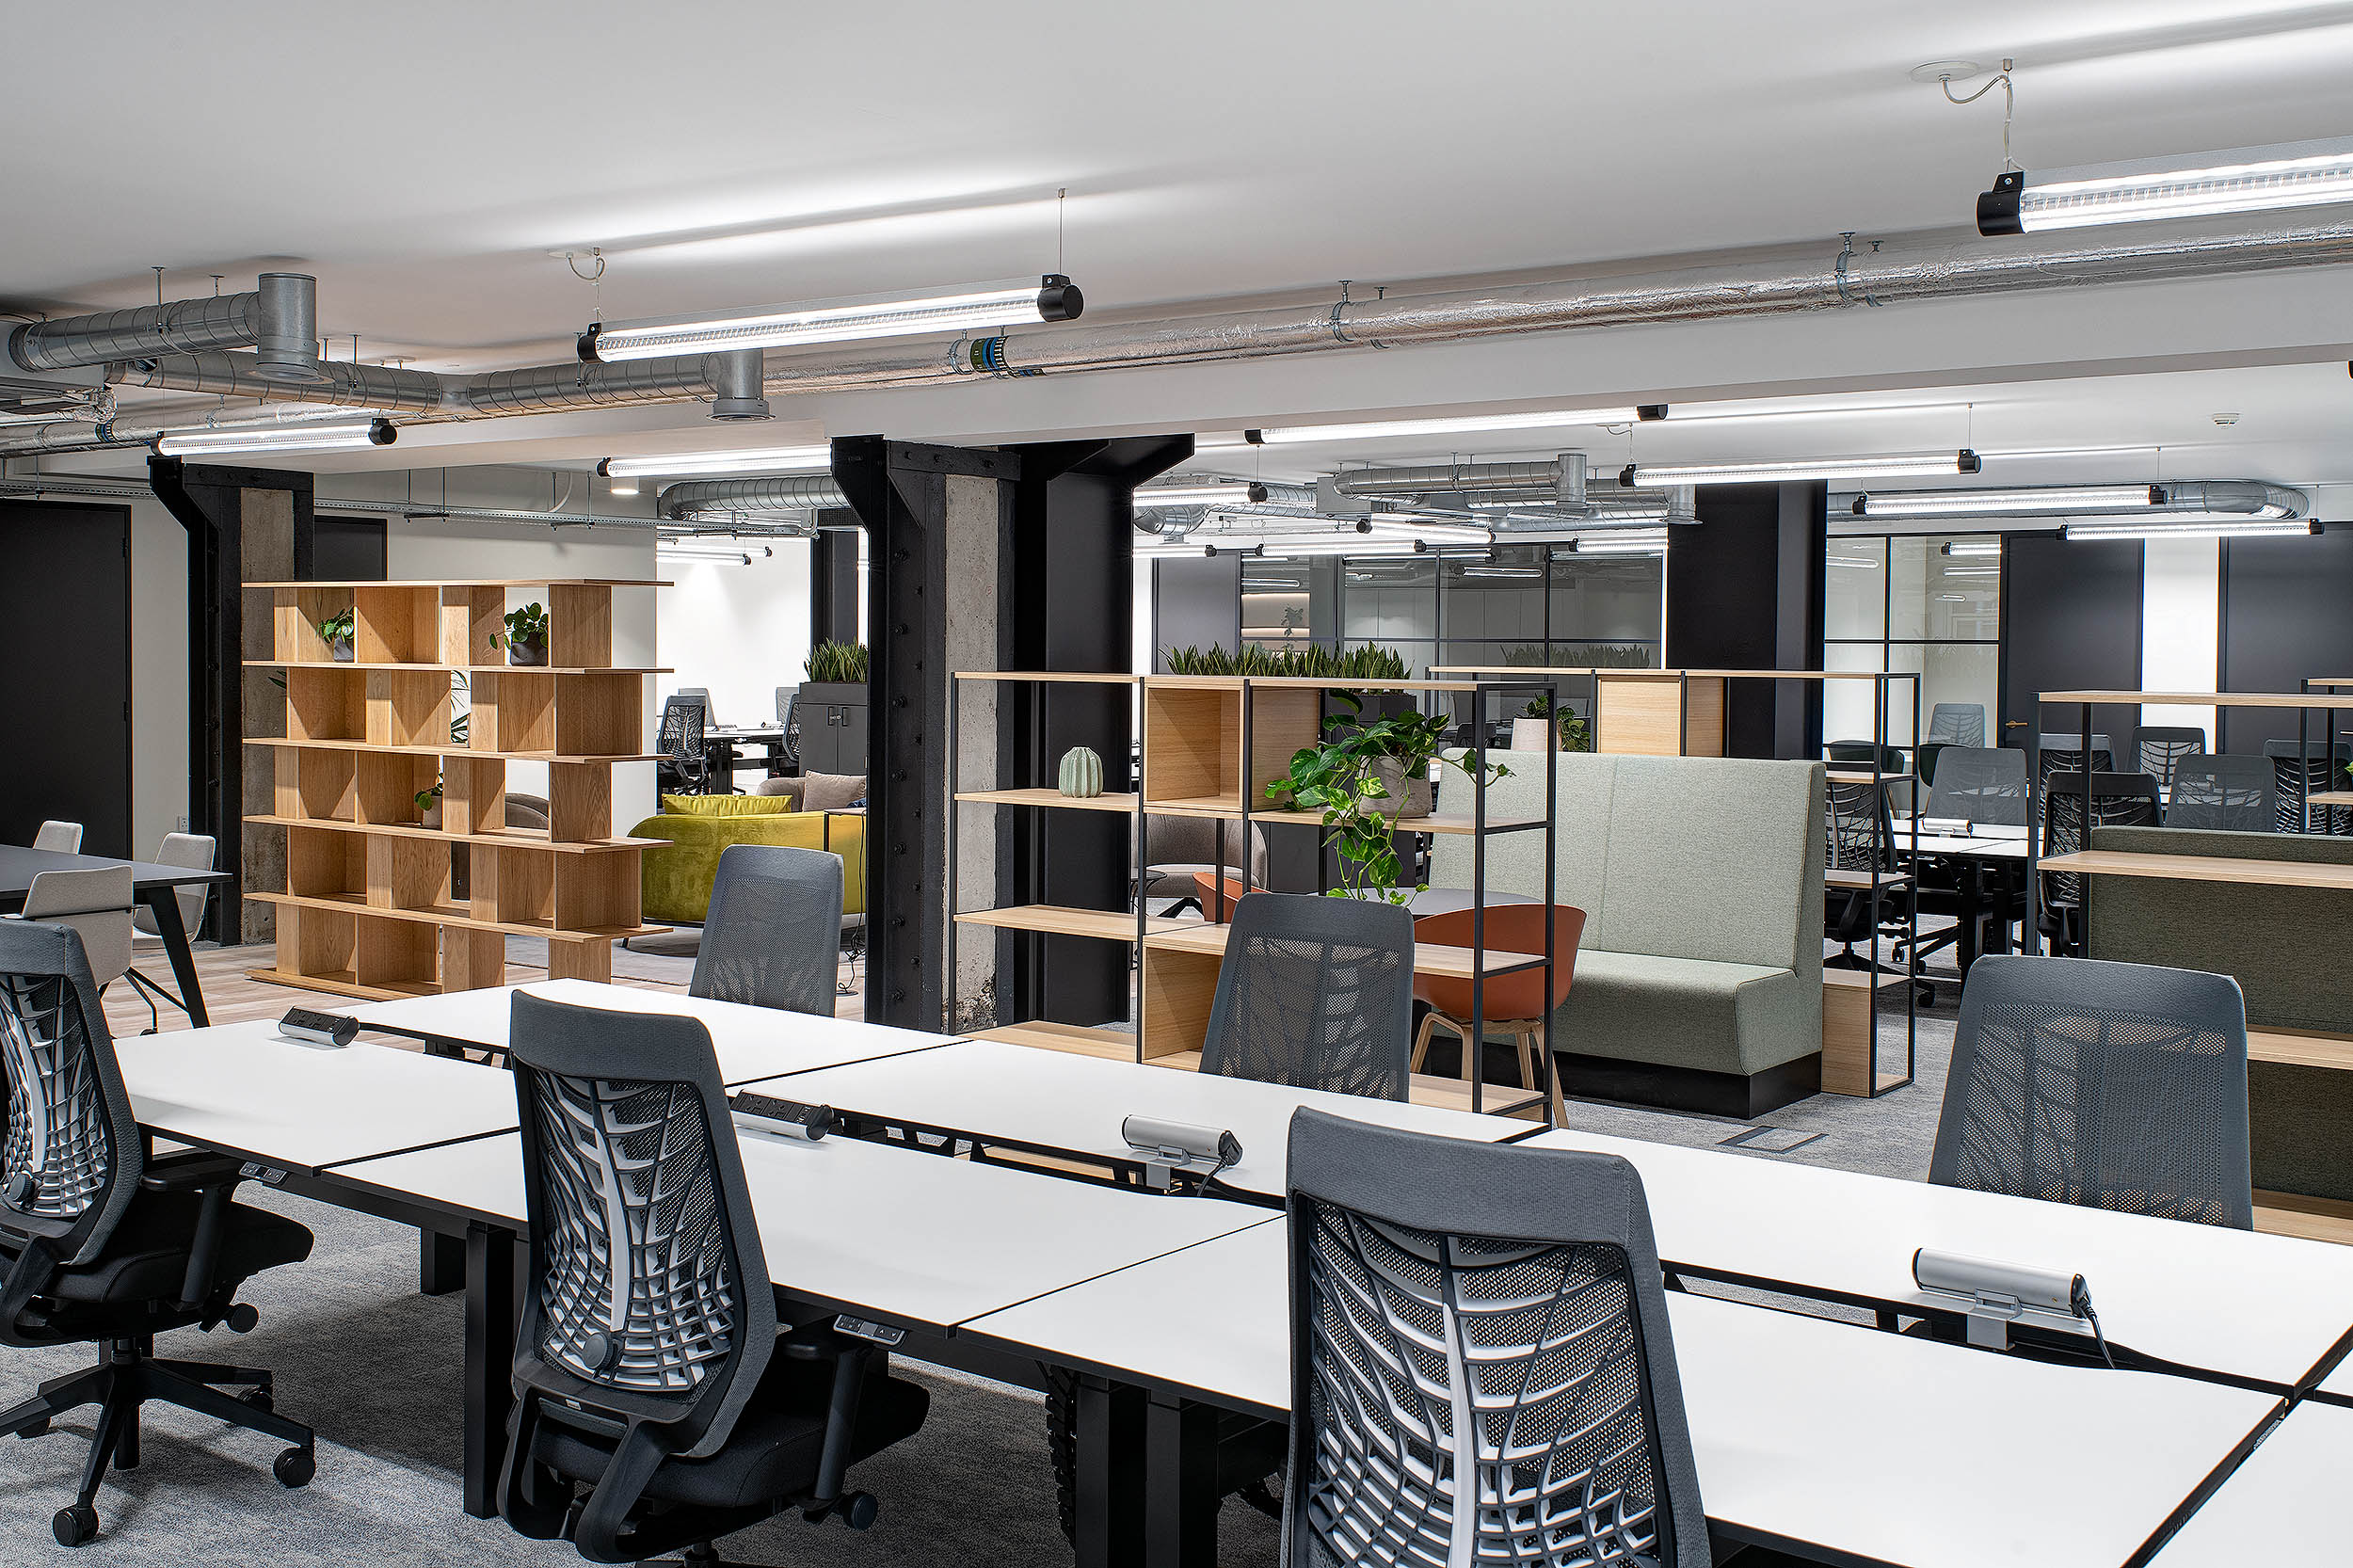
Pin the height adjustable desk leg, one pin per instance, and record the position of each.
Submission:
(491, 1312)
(1108, 1427)
(441, 1263)
(1180, 1486)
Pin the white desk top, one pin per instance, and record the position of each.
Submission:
(2340, 1383)
(1055, 1100)
(1879, 1444)
(2268, 1308)
(906, 1237)
(241, 1089)
(2284, 1505)
(753, 1042)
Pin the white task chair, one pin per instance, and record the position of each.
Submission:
(194, 851)
(60, 837)
(97, 904)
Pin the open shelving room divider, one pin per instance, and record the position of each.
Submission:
(1210, 747)
(370, 905)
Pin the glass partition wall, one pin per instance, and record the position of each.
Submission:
(1928, 605)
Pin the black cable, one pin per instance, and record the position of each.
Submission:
(2097, 1337)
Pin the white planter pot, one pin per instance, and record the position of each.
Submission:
(1416, 792)
(1534, 735)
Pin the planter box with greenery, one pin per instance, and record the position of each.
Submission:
(525, 637)
(837, 673)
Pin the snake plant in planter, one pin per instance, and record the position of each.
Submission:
(1353, 777)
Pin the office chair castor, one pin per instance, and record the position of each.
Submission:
(260, 1399)
(240, 1318)
(857, 1510)
(294, 1468)
(39, 1429)
(76, 1526)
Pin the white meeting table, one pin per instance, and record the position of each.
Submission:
(1054, 1102)
(752, 1042)
(1819, 1437)
(2284, 1506)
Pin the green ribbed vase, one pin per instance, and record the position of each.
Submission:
(1081, 773)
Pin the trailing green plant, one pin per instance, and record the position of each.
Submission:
(527, 626)
(427, 799)
(833, 661)
(1573, 732)
(1337, 777)
(340, 627)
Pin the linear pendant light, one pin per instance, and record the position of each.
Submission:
(1003, 303)
(1546, 419)
(1891, 466)
(2237, 180)
(1199, 495)
(744, 460)
(1629, 541)
(312, 436)
(2056, 498)
(2193, 527)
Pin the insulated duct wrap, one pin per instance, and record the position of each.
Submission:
(1534, 479)
(547, 389)
(346, 385)
(788, 492)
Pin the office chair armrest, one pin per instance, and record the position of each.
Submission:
(36, 1266)
(216, 1177)
(603, 1533)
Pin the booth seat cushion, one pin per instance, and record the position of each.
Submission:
(1695, 1013)
(832, 792)
(677, 875)
(726, 806)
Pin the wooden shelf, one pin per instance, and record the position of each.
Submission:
(454, 915)
(467, 669)
(1862, 980)
(2204, 699)
(1112, 1045)
(453, 749)
(2201, 868)
(2312, 1219)
(1430, 958)
(1445, 1093)
(1859, 882)
(2332, 797)
(340, 982)
(1850, 776)
(1110, 800)
(1455, 823)
(2300, 1048)
(477, 583)
(511, 838)
(1085, 677)
(1056, 919)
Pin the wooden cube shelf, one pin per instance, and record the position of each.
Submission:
(369, 906)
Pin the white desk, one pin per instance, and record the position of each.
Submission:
(2285, 1505)
(2338, 1384)
(2265, 1308)
(1875, 1444)
(243, 1090)
(752, 1042)
(1053, 1101)
(913, 1239)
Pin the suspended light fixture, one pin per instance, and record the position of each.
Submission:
(2056, 498)
(2215, 526)
(2238, 179)
(1052, 298)
(1199, 495)
(681, 549)
(1627, 542)
(1965, 549)
(1891, 466)
(808, 459)
(308, 436)
(1542, 420)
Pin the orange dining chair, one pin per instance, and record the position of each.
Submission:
(1215, 910)
(1516, 1004)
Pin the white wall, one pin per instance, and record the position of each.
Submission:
(159, 674)
(2181, 627)
(740, 631)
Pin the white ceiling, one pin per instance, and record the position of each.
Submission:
(424, 159)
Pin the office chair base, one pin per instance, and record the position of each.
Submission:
(127, 1377)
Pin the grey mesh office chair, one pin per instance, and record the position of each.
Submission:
(59, 838)
(194, 851)
(2163, 747)
(772, 934)
(1317, 993)
(2118, 800)
(648, 1367)
(679, 742)
(2058, 753)
(102, 1245)
(789, 720)
(1483, 1368)
(2218, 789)
(2119, 1086)
(95, 903)
(1977, 785)
(2320, 769)
(1857, 823)
(1957, 724)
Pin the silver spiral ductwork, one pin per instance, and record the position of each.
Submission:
(2245, 497)
(280, 319)
(693, 499)
(547, 389)
(2250, 498)
(345, 384)
(1562, 479)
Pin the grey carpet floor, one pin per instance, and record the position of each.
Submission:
(374, 1368)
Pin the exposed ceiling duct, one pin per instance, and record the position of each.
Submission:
(280, 319)
(698, 500)
(1560, 480)
(2252, 498)
(1776, 281)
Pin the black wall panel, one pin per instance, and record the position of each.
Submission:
(2287, 616)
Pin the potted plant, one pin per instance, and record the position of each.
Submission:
(337, 632)
(430, 807)
(525, 637)
(1362, 777)
(1530, 732)
(832, 709)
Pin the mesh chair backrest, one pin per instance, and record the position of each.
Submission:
(194, 851)
(2065, 754)
(2316, 772)
(1481, 1366)
(1857, 822)
(772, 934)
(1315, 993)
(2162, 748)
(72, 1158)
(2119, 1086)
(682, 733)
(1960, 724)
(648, 1296)
(1859, 753)
(2118, 800)
(96, 903)
(2217, 790)
(1981, 786)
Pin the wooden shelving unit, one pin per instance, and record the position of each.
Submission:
(369, 908)
(1210, 747)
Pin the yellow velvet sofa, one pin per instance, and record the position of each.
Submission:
(677, 874)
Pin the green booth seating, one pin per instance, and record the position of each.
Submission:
(677, 874)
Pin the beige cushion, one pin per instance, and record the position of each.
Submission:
(788, 788)
(726, 806)
(831, 791)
